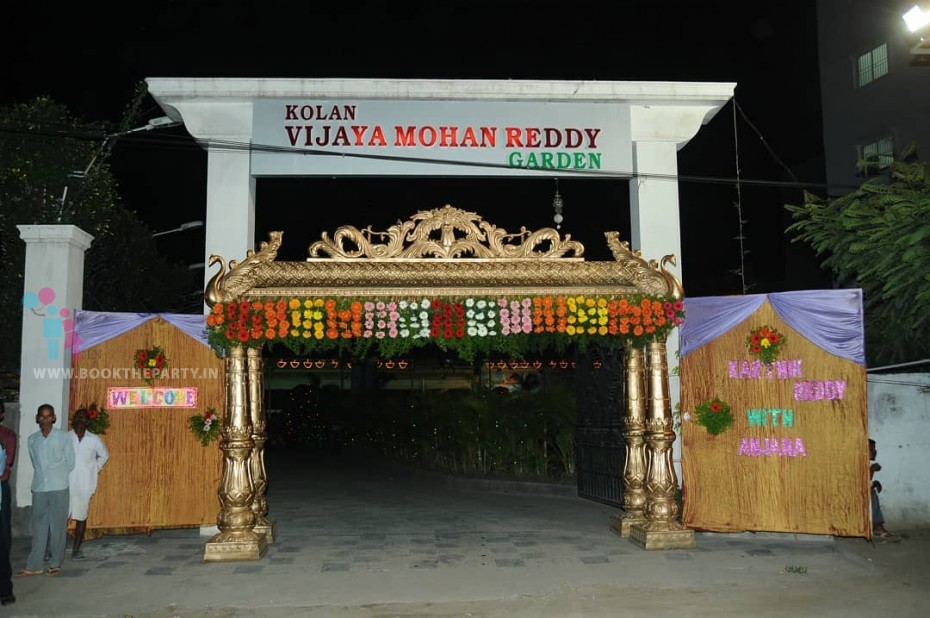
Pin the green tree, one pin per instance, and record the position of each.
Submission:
(878, 238)
(53, 170)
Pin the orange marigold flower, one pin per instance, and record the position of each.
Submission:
(637, 330)
(293, 304)
(269, 333)
(330, 304)
(332, 333)
(210, 320)
(218, 308)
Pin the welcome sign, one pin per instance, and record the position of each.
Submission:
(454, 138)
(151, 397)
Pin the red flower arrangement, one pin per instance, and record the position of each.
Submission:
(765, 343)
(151, 363)
(396, 325)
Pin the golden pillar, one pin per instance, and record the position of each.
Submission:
(236, 539)
(259, 437)
(633, 431)
(661, 529)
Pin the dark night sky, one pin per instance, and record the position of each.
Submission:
(90, 60)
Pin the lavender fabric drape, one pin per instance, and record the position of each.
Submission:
(831, 319)
(95, 327)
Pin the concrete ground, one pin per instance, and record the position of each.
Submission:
(376, 541)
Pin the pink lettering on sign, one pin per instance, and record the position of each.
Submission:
(757, 370)
(772, 447)
(816, 390)
(151, 397)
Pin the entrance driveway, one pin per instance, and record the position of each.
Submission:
(371, 539)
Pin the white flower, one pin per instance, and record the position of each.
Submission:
(482, 304)
(469, 302)
(402, 304)
(423, 315)
(424, 304)
(472, 331)
(404, 333)
(482, 331)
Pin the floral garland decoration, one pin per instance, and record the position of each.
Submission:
(714, 415)
(98, 421)
(206, 426)
(765, 343)
(466, 325)
(150, 363)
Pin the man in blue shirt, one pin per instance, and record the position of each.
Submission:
(52, 455)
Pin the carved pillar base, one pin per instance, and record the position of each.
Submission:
(266, 528)
(226, 547)
(622, 523)
(662, 535)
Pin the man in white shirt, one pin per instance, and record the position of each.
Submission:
(90, 454)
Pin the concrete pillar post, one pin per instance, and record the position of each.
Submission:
(53, 289)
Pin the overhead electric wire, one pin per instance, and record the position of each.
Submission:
(175, 142)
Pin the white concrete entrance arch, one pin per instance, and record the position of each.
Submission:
(256, 127)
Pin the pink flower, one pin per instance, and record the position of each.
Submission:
(369, 306)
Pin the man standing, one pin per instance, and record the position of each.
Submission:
(8, 444)
(52, 456)
(90, 454)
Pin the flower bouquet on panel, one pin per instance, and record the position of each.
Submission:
(765, 343)
(714, 415)
(206, 426)
(98, 421)
(150, 363)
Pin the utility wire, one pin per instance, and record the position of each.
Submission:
(176, 142)
(741, 238)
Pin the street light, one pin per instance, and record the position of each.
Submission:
(190, 225)
(916, 18)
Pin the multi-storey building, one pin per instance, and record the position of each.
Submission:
(875, 86)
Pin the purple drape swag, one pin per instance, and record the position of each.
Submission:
(94, 327)
(831, 319)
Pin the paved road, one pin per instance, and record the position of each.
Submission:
(377, 541)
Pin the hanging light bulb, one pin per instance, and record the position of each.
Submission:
(557, 206)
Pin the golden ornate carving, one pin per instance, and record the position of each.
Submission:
(661, 529)
(445, 232)
(236, 539)
(526, 262)
(470, 257)
(633, 431)
(226, 286)
(257, 460)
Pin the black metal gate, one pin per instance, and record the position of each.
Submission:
(599, 448)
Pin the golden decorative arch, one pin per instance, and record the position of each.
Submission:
(446, 252)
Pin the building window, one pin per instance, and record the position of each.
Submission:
(876, 155)
(872, 65)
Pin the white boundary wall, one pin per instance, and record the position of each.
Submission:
(899, 422)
